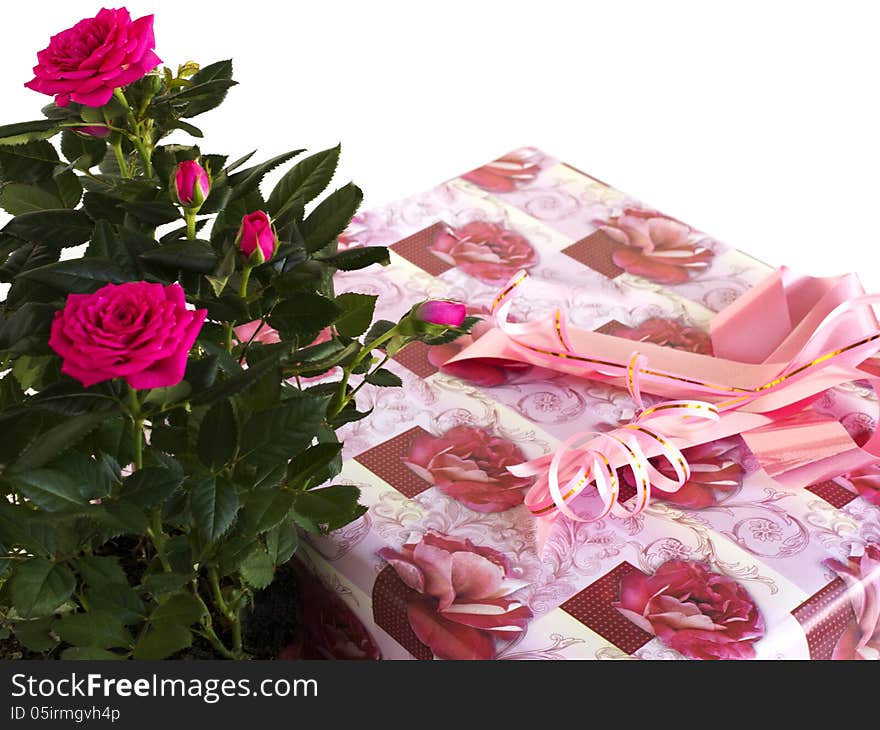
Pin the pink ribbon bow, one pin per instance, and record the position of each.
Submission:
(777, 349)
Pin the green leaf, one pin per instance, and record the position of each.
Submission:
(159, 583)
(305, 181)
(81, 150)
(77, 276)
(120, 518)
(357, 313)
(282, 542)
(100, 629)
(105, 244)
(383, 378)
(100, 570)
(237, 383)
(50, 489)
(257, 569)
(331, 217)
(358, 258)
(195, 256)
(181, 608)
(214, 503)
(233, 551)
(56, 228)
(310, 463)
(218, 435)
(265, 508)
(27, 329)
(89, 653)
(162, 640)
(249, 179)
(28, 163)
(303, 314)
(150, 486)
(117, 598)
(62, 191)
(15, 134)
(37, 587)
(154, 212)
(168, 394)
(273, 436)
(223, 269)
(35, 635)
(24, 258)
(336, 505)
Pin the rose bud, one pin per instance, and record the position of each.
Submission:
(191, 184)
(442, 312)
(256, 239)
(99, 132)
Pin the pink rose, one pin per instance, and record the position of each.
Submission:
(487, 251)
(462, 599)
(256, 237)
(666, 332)
(865, 482)
(191, 184)
(714, 473)
(87, 62)
(138, 331)
(442, 312)
(656, 247)
(703, 615)
(861, 576)
(506, 173)
(470, 465)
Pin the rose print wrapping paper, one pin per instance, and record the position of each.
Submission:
(444, 563)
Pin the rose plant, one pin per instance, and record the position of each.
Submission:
(161, 453)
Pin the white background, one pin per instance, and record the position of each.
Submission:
(756, 122)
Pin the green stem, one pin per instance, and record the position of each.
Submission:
(341, 397)
(190, 218)
(227, 330)
(120, 158)
(135, 126)
(219, 601)
(134, 406)
(208, 629)
(245, 278)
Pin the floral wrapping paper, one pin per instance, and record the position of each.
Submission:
(444, 563)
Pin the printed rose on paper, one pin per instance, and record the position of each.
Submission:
(656, 247)
(470, 464)
(699, 613)
(462, 600)
(861, 576)
(487, 251)
(715, 473)
(665, 332)
(507, 173)
(865, 482)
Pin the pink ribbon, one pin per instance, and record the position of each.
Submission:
(777, 349)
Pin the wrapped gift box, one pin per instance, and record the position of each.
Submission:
(431, 458)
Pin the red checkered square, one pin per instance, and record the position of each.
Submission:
(390, 598)
(832, 493)
(592, 607)
(417, 250)
(595, 251)
(414, 357)
(386, 461)
(824, 618)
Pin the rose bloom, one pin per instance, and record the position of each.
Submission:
(137, 331)
(506, 173)
(87, 62)
(487, 251)
(865, 482)
(656, 247)
(701, 614)
(443, 312)
(861, 575)
(666, 332)
(462, 595)
(714, 474)
(470, 464)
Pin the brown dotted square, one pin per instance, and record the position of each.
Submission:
(386, 461)
(592, 607)
(417, 250)
(824, 617)
(595, 251)
(414, 357)
(609, 328)
(390, 598)
(832, 493)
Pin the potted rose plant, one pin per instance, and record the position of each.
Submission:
(161, 453)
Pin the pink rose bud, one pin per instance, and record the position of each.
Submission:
(191, 184)
(256, 237)
(99, 132)
(442, 312)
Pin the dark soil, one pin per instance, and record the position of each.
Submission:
(272, 623)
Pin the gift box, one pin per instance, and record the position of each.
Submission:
(450, 562)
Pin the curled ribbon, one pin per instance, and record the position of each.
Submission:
(780, 346)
